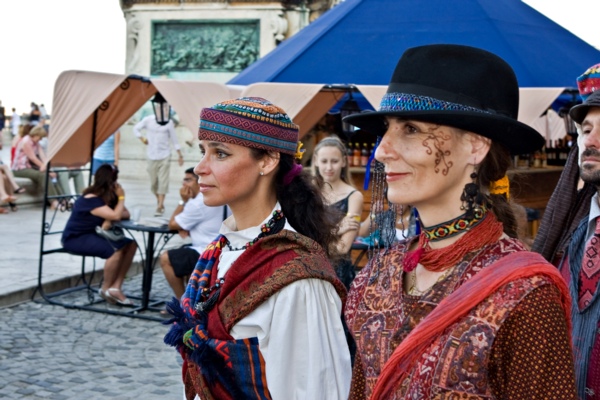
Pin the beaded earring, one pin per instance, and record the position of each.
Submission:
(380, 206)
(472, 199)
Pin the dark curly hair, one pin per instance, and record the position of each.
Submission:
(492, 168)
(104, 183)
(302, 203)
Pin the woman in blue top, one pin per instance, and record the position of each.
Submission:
(100, 204)
(107, 152)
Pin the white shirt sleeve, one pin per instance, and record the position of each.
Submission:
(137, 128)
(191, 215)
(173, 135)
(302, 340)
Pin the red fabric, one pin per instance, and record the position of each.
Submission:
(263, 269)
(589, 275)
(457, 305)
(477, 237)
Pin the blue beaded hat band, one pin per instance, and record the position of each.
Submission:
(413, 102)
(459, 86)
(250, 122)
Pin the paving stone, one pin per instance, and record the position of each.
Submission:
(68, 353)
(26, 391)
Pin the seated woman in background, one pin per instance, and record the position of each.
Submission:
(100, 204)
(332, 176)
(8, 188)
(30, 162)
(23, 131)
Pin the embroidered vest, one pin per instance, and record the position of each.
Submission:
(261, 271)
(455, 365)
(586, 328)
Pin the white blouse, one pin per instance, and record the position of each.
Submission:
(299, 331)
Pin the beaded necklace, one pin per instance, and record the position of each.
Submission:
(412, 282)
(265, 230)
(207, 301)
(454, 227)
(487, 231)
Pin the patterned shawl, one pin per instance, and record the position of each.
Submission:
(457, 305)
(565, 209)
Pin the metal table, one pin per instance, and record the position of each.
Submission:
(149, 253)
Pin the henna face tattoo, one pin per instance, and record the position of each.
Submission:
(434, 143)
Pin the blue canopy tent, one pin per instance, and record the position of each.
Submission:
(360, 41)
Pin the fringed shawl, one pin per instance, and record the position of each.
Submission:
(219, 366)
(457, 305)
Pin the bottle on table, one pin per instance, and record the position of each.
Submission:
(364, 155)
(356, 158)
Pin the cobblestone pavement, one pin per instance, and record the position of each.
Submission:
(50, 352)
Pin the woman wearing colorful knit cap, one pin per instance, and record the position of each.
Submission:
(261, 316)
(462, 310)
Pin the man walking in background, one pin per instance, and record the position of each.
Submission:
(2, 117)
(158, 139)
(15, 122)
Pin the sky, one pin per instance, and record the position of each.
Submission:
(43, 38)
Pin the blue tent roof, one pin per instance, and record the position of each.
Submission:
(360, 41)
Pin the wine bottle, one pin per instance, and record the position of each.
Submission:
(364, 155)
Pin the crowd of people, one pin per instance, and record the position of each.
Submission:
(27, 157)
(455, 302)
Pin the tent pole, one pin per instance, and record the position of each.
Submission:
(94, 123)
(43, 231)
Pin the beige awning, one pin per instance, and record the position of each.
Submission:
(85, 101)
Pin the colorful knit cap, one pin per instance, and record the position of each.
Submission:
(251, 122)
(589, 81)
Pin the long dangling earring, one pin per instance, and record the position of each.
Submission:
(471, 198)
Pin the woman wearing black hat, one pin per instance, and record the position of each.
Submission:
(462, 310)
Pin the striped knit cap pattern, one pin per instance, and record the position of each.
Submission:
(250, 122)
(589, 81)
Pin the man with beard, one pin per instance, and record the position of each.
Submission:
(580, 264)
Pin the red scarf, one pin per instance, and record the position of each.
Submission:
(457, 305)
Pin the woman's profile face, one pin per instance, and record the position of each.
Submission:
(329, 160)
(227, 174)
(424, 163)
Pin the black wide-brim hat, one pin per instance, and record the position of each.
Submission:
(459, 86)
(579, 112)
